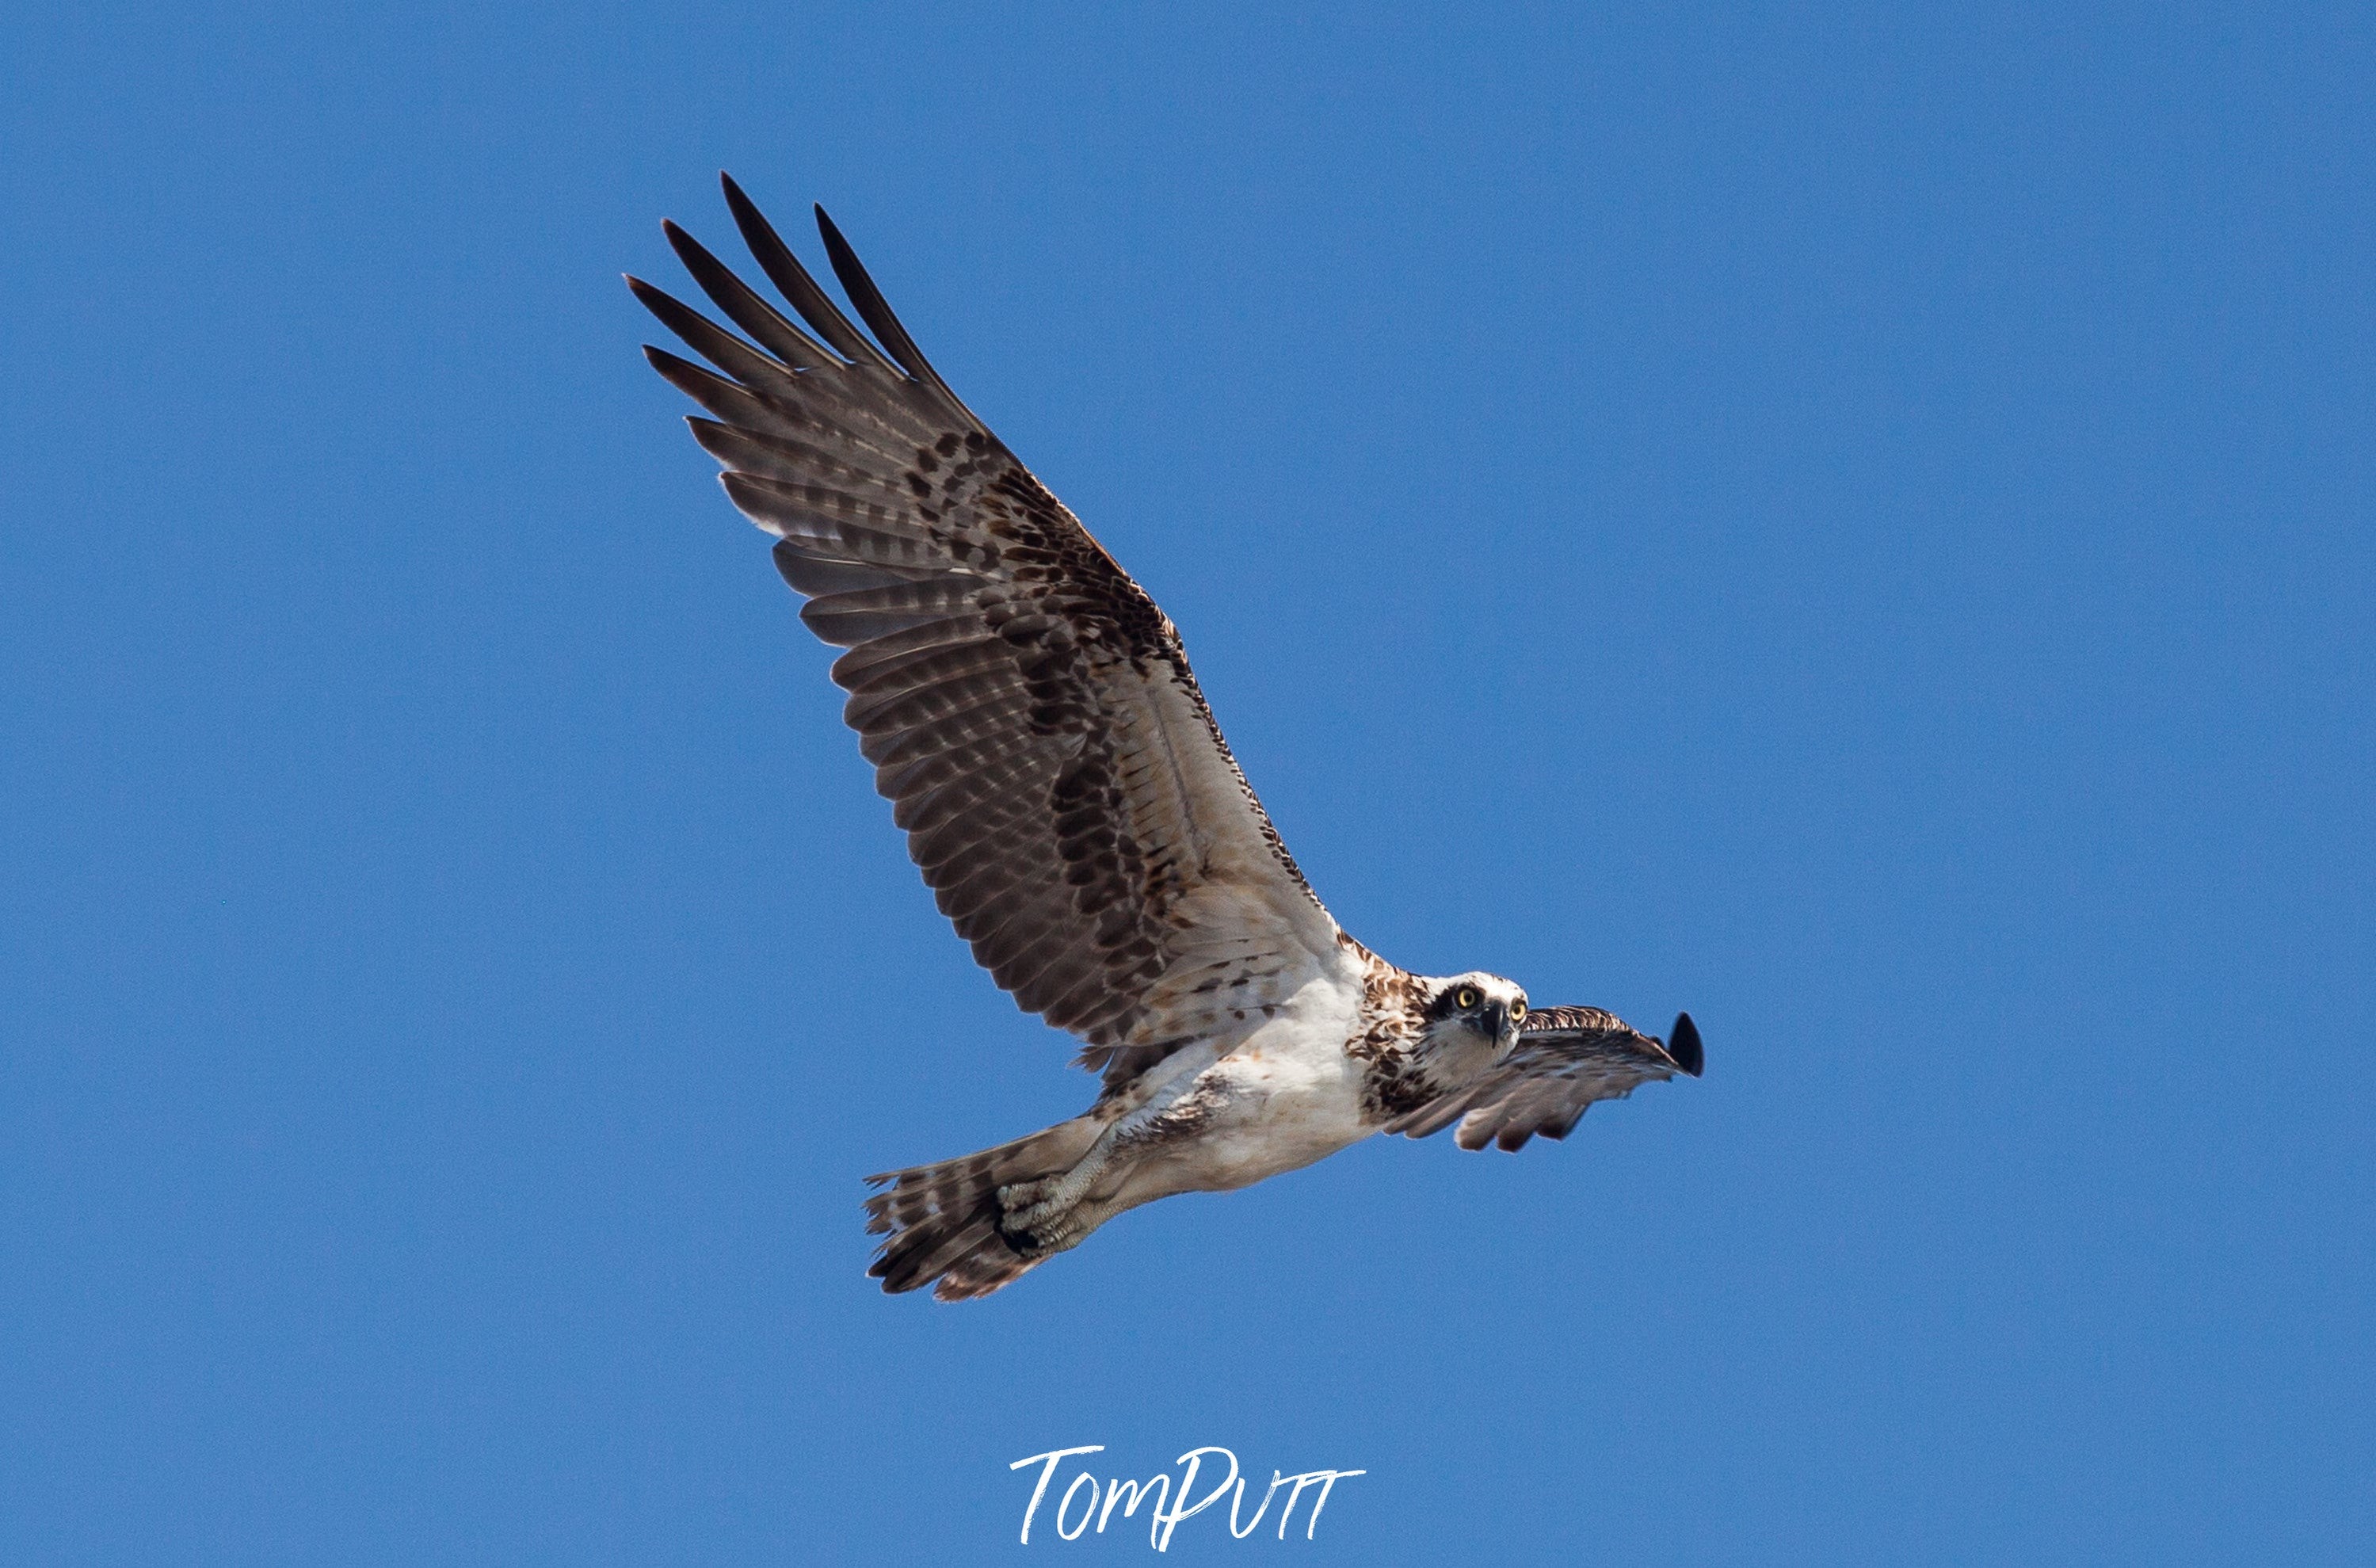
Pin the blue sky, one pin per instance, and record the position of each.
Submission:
(1853, 523)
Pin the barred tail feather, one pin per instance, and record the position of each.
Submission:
(940, 1222)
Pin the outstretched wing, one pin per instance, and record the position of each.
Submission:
(1027, 707)
(1565, 1059)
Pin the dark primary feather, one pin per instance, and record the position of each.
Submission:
(784, 269)
(875, 311)
(744, 306)
(1566, 1059)
(1027, 707)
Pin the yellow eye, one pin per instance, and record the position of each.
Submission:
(1517, 1012)
(1467, 997)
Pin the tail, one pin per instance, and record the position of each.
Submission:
(941, 1222)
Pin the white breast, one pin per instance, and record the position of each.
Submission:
(1285, 1095)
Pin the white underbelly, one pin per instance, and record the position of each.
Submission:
(1278, 1102)
(1290, 1132)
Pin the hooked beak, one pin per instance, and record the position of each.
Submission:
(1505, 1029)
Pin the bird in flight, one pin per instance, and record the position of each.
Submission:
(1063, 787)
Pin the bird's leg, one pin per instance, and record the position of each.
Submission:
(1030, 1205)
(1048, 1214)
(1069, 1229)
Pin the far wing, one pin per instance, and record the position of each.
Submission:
(1565, 1059)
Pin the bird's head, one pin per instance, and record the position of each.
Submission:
(1473, 1010)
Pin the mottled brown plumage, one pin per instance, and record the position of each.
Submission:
(1069, 799)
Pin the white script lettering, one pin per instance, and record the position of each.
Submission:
(1169, 1503)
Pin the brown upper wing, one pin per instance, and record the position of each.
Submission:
(1566, 1057)
(1028, 708)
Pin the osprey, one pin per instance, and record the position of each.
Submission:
(1063, 787)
